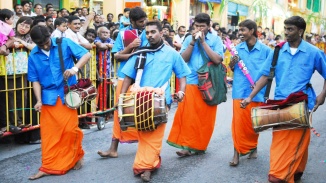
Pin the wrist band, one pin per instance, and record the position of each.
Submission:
(75, 69)
(5, 46)
(183, 93)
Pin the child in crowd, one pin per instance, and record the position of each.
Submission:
(6, 31)
(61, 26)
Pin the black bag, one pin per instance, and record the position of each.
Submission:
(212, 81)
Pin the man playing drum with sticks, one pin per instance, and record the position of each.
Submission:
(127, 41)
(160, 60)
(297, 61)
(250, 58)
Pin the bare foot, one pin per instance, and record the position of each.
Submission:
(146, 176)
(38, 175)
(108, 154)
(235, 160)
(253, 154)
(183, 153)
(79, 164)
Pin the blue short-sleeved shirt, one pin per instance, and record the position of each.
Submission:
(47, 70)
(158, 69)
(123, 19)
(253, 60)
(118, 46)
(196, 60)
(293, 72)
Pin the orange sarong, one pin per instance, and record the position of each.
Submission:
(288, 154)
(61, 138)
(128, 136)
(149, 149)
(245, 139)
(193, 123)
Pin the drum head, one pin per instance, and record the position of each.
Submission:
(73, 100)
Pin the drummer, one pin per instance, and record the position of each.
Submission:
(296, 63)
(157, 71)
(253, 54)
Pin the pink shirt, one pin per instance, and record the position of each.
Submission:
(5, 32)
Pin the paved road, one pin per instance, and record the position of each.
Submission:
(17, 162)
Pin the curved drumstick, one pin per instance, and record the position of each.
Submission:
(310, 123)
(241, 64)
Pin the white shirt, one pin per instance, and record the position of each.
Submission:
(29, 15)
(58, 33)
(178, 39)
(75, 36)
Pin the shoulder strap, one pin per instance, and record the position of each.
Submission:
(272, 70)
(202, 52)
(59, 41)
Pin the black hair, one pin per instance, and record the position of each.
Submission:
(126, 10)
(26, 20)
(16, 6)
(181, 27)
(115, 35)
(120, 15)
(24, 2)
(167, 27)
(82, 20)
(155, 16)
(278, 37)
(90, 31)
(72, 18)
(296, 21)
(109, 25)
(48, 8)
(48, 17)
(37, 19)
(64, 9)
(77, 9)
(250, 25)
(109, 14)
(215, 24)
(157, 23)
(37, 4)
(40, 34)
(59, 21)
(137, 13)
(49, 4)
(203, 18)
(73, 13)
(5, 14)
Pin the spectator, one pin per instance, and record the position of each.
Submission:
(73, 32)
(97, 23)
(39, 20)
(27, 9)
(172, 34)
(109, 17)
(216, 26)
(18, 13)
(84, 13)
(79, 11)
(125, 21)
(23, 29)
(49, 23)
(49, 11)
(166, 36)
(60, 25)
(74, 13)
(119, 18)
(38, 9)
(48, 5)
(155, 17)
(90, 35)
(56, 14)
(64, 12)
(308, 38)
(178, 38)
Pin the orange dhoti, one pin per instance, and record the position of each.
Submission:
(149, 149)
(193, 123)
(288, 155)
(128, 136)
(61, 138)
(245, 139)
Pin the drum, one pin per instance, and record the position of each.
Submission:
(142, 110)
(74, 99)
(90, 93)
(290, 117)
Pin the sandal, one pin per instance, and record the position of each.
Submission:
(14, 129)
(184, 153)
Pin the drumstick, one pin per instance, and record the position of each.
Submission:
(310, 123)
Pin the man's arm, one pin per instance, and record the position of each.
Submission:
(88, 46)
(186, 55)
(213, 56)
(82, 61)
(126, 83)
(37, 92)
(320, 98)
(259, 85)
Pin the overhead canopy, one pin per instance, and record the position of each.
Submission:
(233, 8)
(212, 1)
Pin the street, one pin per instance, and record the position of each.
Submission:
(18, 162)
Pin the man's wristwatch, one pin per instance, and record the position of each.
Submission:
(75, 69)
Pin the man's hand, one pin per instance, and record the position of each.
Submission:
(91, 16)
(179, 96)
(233, 62)
(319, 101)
(3, 50)
(136, 43)
(68, 73)
(38, 106)
(245, 102)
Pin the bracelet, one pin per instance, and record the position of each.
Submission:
(183, 93)
(192, 44)
(75, 69)
(5, 46)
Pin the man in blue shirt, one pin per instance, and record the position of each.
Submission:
(122, 53)
(296, 63)
(61, 138)
(194, 120)
(253, 54)
(125, 20)
(156, 73)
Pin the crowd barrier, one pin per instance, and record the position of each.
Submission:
(17, 98)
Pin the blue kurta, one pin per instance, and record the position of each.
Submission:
(158, 69)
(196, 60)
(253, 60)
(293, 72)
(47, 70)
(119, 46)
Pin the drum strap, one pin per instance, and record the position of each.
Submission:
(59, 41)
(272, 70)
